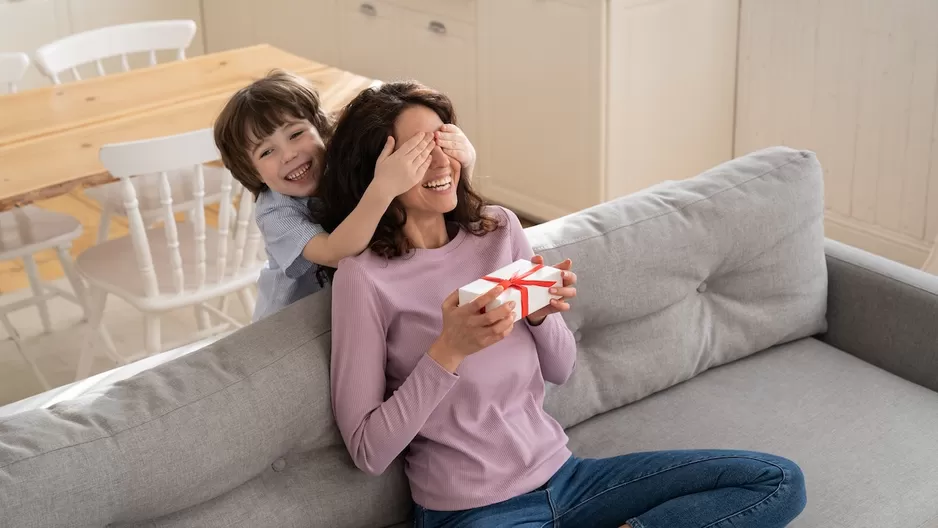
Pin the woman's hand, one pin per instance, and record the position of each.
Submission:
(466, 330)
(456, 145)
(567, 291)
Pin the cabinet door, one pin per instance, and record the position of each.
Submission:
(540, 104)
(93, 14)
(672, 78)
(310, 29)
(229, 24)
(371, 44)
(440, 52)
(26, 25)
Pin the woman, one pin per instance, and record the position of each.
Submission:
(461, 392)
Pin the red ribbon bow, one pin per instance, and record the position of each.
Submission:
(518, 282)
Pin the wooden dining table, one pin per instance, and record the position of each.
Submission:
(50, 136)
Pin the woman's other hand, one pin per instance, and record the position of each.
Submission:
(456, 145)
(466, 330)
(567, 291)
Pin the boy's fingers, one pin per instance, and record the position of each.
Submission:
(425, 153)
(411, 144)
(425, 140)
(424, 167)
(388, 148)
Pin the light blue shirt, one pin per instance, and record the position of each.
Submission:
(287, 225)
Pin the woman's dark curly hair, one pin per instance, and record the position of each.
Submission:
(358, 138)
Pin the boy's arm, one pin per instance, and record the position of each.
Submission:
(287, 226)
(396, 171)
(353, 234)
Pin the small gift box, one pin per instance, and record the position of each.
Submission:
(525, 283)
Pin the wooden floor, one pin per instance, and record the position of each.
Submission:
(88, 212)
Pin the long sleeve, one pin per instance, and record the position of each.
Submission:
(375, 431)
(556, 346)
(287, 226)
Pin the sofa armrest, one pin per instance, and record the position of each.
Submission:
(883, 312)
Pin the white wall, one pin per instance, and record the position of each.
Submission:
(857, 82)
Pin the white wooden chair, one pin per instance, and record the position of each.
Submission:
(28, 230)
(13, 66)
(69, 53)
(178, 264)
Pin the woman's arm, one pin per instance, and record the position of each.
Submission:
(375, 431)
(556, 347)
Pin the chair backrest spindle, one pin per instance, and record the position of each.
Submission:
(172, 234)
(139, 239)
(198, 226)
(185, 254)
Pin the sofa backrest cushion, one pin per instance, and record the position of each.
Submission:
(689, 275)
(239, 433)
(672, 281)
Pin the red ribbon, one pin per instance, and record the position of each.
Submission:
(518, 282)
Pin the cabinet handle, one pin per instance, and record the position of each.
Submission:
(368, 9)
(437, 27)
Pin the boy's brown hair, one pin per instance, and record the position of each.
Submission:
(256, 111)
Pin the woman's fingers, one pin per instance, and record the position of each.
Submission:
(492, 317)
(566, 293)
(451, 301)
(559, 305)
(481, 301)
(569, 278)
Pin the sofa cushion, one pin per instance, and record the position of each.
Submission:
(688, 276)
(864, 438)
(239, 433)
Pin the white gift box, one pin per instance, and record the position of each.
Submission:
(528, 290)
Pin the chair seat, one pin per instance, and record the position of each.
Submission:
(112, 266)
(28, 230)
(181, 184)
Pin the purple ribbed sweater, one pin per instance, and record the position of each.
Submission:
(472, 439)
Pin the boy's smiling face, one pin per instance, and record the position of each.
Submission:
(290, 161)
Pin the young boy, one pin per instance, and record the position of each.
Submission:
(271, 136)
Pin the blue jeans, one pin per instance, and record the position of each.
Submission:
(668, 489)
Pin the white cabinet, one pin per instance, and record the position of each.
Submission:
(540, 101)
(27, 24)
(582, 101)
(305, 28)
(390, 40)
(228, 24)
(371, 44)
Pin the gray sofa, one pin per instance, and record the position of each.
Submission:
(712, 314)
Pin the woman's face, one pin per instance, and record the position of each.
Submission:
(437, 192)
